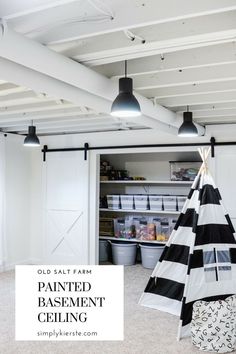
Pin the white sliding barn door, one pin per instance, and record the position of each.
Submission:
(66, 214)
(225, 170)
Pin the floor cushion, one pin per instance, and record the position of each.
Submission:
(213, 325)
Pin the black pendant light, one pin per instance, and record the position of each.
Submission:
(31, 139)
(125, 104)
(187, 128)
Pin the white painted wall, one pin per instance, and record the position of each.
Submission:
(37, 253)
(18, 172)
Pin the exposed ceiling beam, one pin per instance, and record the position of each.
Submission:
(192, 89)
(231, 112)
(200, 75)
(142, 15)
(39, 82)
(93, 89)
(68, 128)
(15, 8)
(62, 124)
(193, 33)
(217, 120)
(67, 121)
(224, 53)
(22, 98)
(87, 131)
(198, 99)
(54, 114)
(7, 88)
(35, 107)
(206, 107)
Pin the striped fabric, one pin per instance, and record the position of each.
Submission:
(199, 260)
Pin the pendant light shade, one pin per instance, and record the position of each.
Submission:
(31, 139)
(125, 104)
(187, 128)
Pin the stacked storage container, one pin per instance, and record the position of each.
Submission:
(156, 202)
(113, 202)
(169, 202)
(141, 202)
(127, 202)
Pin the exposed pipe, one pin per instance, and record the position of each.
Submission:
(37, 57)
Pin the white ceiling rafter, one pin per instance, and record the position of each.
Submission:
(49, 117)
(210, 74)
(143, 14)
(8, 88)
(22, 98)
(220, 54)
(198, 99)
(22, 126)
(192, 89)
(71, 127)
(77, 130)
(216, 120)
(34, 107)
(15, 8)
(106, 56)
(160, 39)
(211, 107)
(211, 113)
(189, 58)
(73, 81)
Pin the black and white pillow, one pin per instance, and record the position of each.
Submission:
(213, 325)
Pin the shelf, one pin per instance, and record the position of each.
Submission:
(112, 238)
(141, 211)
(175, 183)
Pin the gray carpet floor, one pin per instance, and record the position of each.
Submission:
(147, 331)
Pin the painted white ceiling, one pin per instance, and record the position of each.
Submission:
(179, 53)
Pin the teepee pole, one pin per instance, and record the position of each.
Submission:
(204, 153)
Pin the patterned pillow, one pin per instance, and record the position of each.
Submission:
(213, 325)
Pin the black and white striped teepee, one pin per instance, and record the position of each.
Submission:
(199, 260)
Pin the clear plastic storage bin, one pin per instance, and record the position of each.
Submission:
(127, 202)
(113, 201)
(184, 171)
(181, 201)
(141, 202)
(169, 203)
(156, 202)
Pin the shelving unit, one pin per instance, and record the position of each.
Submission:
(165, 212)
(145, 182)
(130, 240)
(155, 168)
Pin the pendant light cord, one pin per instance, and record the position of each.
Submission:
(125, 68)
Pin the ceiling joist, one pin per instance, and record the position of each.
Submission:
(143, 14)
(182, 54)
